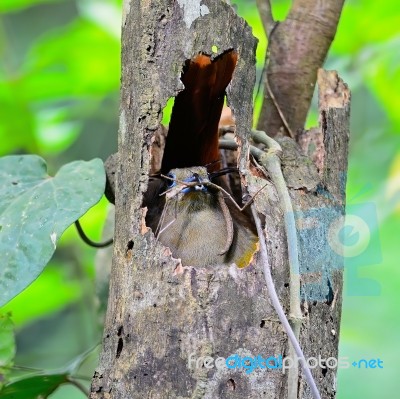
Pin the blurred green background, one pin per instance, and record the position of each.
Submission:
(59, 82)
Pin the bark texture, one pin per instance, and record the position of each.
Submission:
(297, 48)
(161, 312)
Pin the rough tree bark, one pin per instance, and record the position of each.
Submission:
(160, 311)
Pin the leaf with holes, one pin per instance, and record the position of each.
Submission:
(35, 209)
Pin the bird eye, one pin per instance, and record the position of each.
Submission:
(200, 187)
(171, 183)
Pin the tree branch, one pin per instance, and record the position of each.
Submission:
(264, 8)
(297, 48)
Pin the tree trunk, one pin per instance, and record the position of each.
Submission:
(162, 314)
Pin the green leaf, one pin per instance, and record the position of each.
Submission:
(76, 60)
(7, 347)
(13, 5)
(54, 285)
(17, 121)
(35, 209)
(366, 22)
(38, 387)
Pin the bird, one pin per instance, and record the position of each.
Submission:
(189, 207)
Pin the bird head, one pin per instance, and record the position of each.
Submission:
(189, 184)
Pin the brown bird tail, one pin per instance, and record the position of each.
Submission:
(193, 131)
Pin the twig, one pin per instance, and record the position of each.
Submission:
(166, 227)
(278, 108)
(229, 224)
(161, 221)
(88, 241)
(208, 183)
(261, 80)
(79, 386)
(227, 144)
(264, 8)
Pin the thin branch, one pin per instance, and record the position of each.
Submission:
(166, 227)
(263, 72)
(228, 222)
(278, 108)
(88, 241)
(160, 228)
(208, 183)
(227, 144)
(265, 10)
(79, 386)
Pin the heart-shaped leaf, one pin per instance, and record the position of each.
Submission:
(35, 209)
